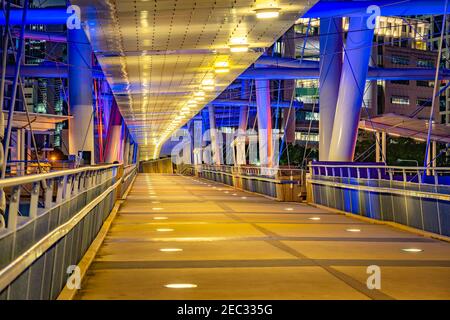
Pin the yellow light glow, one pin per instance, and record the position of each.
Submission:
(314, 218)
(208, 88)
(222, 70)
(164, 230)
(180, 285)
(237, 48)
(170, 250)
(222, 64)
(208, 82)
(157, 209)
(412, 250)
(353, 230)
(288, 209)
(160, 218)
(267, 13)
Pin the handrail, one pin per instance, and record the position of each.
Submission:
(14, 181)
(406, 175)
(377, 167)
(97, 182)
(22, 262)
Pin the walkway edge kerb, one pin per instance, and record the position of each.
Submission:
(89, 256)
(389, 223)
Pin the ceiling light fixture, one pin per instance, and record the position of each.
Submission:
(267, 13)
(222, 70)
(180, 285)
(222, 67)
(237, 48)
(412, 250)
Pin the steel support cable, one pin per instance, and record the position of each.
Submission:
(22, 91)
(14, 92)
(435, 91)
(307, 137)
(5, 51)
(314, 104)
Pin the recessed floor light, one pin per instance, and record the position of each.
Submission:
(157, 209)
(180, 285)
(412, 250)
(353, 230)
(170, 250)
(244, 198)
(160, 218)
(314, 218)
(288, 209)
(234, 194)
(226, 192)
(164, 230)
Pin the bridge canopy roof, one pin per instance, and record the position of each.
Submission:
(407, 127)
(158, 55)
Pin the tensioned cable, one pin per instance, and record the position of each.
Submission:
(435, 89)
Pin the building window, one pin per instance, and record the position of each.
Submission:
(423, 102)
(402, 60)
(302, 136)
(400, 100)
(423, 83)
(314, 116)
(425, 63)
(403, 82)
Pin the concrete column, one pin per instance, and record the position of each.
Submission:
(241, 158)
(126, 152)
(351, 90)
(197, 139)
(331, 46)
(81, 127)
(264, 122)
(215, 142)
(114, 136)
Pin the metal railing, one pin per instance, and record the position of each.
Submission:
(49, 222)
(427, 175)
(19, 168)
(405, 195)
(281, 183)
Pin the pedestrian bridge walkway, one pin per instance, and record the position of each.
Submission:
(178, 237)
